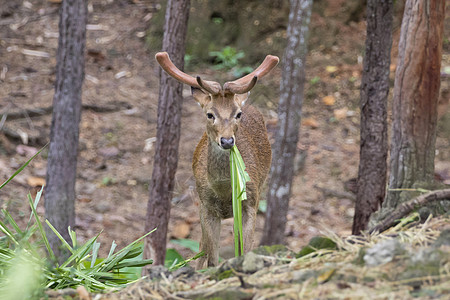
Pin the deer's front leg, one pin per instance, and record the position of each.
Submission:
(210, 238)
(248, 223)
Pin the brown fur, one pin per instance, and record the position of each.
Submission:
(211, 166)
(226, 127)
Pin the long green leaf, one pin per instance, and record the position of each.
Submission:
(63, 241)
(12, 222)
(239, 178)
(80, 253)
(39, 223)
(22, 167)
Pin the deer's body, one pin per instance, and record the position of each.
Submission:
(211, 165)
(229, 123)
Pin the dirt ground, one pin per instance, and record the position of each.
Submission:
(118, 124)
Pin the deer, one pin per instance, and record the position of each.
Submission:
(229, 122)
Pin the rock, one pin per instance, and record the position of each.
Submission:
(300, 276)
(383, 252)
(252, 263)
(443, 239)
(186, 271)
(424, 263)
(156, 271)
(102, 207)
(109, 152)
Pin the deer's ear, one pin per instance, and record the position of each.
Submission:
(241, 98)
(200, 96)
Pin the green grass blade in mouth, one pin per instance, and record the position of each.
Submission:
(239, 178)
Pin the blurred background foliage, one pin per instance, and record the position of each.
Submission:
(250, 28)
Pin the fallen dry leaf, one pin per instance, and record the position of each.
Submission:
(310, 122)
(331, 69)
(181, 230)
(340, 114)
(35, 181)
(329, 100)
(26, 150)
(83, 293)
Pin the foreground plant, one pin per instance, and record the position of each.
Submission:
(28, 264)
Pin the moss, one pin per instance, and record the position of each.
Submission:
(224, 275)
(317, 243)
(271, 250)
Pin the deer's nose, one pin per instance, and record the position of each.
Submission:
(227, 143)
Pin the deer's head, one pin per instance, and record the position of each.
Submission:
(222, 105)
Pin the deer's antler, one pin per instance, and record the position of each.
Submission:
(246, 83)
(211, 87)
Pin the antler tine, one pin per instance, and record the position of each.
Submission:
(168, 66)
(246, 83)
(211, 87)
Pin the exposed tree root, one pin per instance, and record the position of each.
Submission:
(404, 209)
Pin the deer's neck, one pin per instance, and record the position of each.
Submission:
(218, 165)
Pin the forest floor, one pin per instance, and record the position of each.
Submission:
(118, 125)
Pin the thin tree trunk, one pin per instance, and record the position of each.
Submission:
(416, 95)
(168, 133)
(374, 93)
(62, 157)
(289, 113)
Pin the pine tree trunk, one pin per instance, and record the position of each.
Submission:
(168, 133)
(416, 94)
(62, 157)
(374, 93)
(289, 113)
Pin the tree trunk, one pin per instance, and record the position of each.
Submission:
(416, 95)
(289, 113)
(374, 93)
(62, 157)
(168, 133)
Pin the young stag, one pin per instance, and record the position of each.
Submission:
(229, 122)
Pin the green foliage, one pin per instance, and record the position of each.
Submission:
(21, 168)
(315, 80)
(81, 268)
(228, 59)
(192, 245)
(28, 264)
(262, 206)
(317, 243)
(239, 178)
(175, 260)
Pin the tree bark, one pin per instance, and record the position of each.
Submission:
(374, 93)
(168, 133)
(62, 157)
(289, 114)
(416, 95)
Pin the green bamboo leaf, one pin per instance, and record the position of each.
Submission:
(8, 232)
(22, 167)
(73, 237)
(12, 222)
(95, 249)
(63, 241)
(81, 253)
(239, 178)
(113, 247)
(39, 224)
(133, 264)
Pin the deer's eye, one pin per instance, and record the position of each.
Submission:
(239, 115)
(210, 116)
